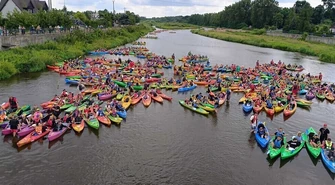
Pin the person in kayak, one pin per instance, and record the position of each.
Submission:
(331, 154)
(328, 144)
(100, 112)
(323, 132)
(261, 131)
(37, 116)
(314, 140)
(253, 121)
(298, 136)
(280, 133)
(14, 123)
(292, 144)
(269, 104)
(56, 110)
(277, 142)
(13, 105)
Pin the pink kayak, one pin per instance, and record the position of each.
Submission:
(56, 134)
(7, 131)
(25, 131)
(106, 96)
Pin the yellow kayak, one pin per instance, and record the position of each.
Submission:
(126, 101)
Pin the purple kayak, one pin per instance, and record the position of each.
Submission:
(25, 131)
(4, 124)
(105, 96)
(56, 134)
(310, 96)
(7, 131)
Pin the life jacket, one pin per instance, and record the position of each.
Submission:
(279, 134)
(328, 145)
(277, 143)
(37, 116)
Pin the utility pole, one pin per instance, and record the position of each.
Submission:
(50, 4)
(124, 9)
(113, 8)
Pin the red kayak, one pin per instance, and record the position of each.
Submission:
(156, 97)
(164, 96)
(32, 137)
(136, 98)
(104, 120)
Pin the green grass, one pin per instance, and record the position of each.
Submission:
(324, 52)
(175, 26)
(34, 58)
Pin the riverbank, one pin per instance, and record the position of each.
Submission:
(175, 26)
(34, 58)
(324, 52)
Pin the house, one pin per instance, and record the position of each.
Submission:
(31, 6)
(332, 29)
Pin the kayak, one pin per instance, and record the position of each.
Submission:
(78, 127)
(25, 131)
(315, 151)
(257, 109)
(156, 98)
(286, 153)
(7, 130)
(105, 96)
(138, 87)
(119, 96)
(274, 152)
(126, 101)
(65, 106)
(269, 111)
(197, 110)
(122, 113)
(320, 96)
(33, 136)
(136, 98)
(116, 119)
(184, 89)
(94, 123)
(164, 96)
(310, 96)
(146, 100)
(206, 108)
(156, 75)
(303, 104)
(121, 84)
(288, 111)
(56, 134)
(279, 108)
(330, 98)
(104, 120)
(247, 108)
(302, 92)
(263, 142)
(328, 163)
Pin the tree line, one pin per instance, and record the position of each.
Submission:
(66, 19)
(302, 17)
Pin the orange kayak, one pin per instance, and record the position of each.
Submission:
(164, 96)
(104, 120)
(136, 98)
(31, 137)
(146, 100)
(78, 127)
(156, 98)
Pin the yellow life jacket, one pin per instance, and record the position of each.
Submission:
(329, 145)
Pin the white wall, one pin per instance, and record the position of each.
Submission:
(9, 7)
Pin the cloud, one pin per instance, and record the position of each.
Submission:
(158, 8)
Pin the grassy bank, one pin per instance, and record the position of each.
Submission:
(35, 57)
(324, 52)
(175, 26)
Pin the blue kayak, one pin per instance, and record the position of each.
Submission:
(71, 82)
(330, 164)
(167, 67)
(247, 108)
(184, 89)
(262, 141)
(302, 92)
(122, 114)
(141, 56)
(98, 52)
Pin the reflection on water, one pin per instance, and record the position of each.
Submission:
(166, 143)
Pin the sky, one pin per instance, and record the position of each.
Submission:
(158, 8)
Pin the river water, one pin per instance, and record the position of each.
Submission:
(165, 143)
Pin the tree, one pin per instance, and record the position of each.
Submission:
(305, 13)
(262, 12)
(318, 14)
(278, 19)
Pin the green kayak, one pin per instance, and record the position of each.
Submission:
(197, 110)
(302, 104)
(73, 77)
(274, 152)
(214, 89)
(320, 96)
(313, 150)
(65, 106)
(119, 96)
(138, 87)
(156, 75)
(94, 123)
(131, 53)
(121, 84)
(70, 109)
(60, 64)
(167, 87)
(286, 153)
(116, 119)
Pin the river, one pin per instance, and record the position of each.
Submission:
(165, 143)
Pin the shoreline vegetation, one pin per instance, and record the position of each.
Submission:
(175, 26)
(34, 58)
(324, 52)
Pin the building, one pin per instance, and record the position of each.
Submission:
(332, 29)
(31, 6)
